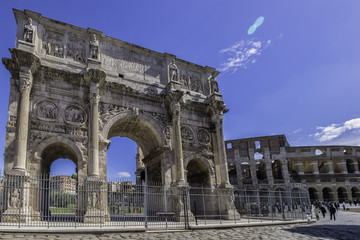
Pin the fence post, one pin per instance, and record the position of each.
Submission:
(203, 200)
(145, 207)
(218, 197)
(186, 217)
(165, 205)
(247, 206)
(21, 197)
(282, 206)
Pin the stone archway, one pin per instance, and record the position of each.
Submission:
(313, 194)
(276, 169)
(54, 190)
(355, 194)
(328, 194)
(199, 180)
(150, 140)
(350, 166)
(342, 194)
(261, 171)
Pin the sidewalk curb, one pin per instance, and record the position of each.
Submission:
(104, 230)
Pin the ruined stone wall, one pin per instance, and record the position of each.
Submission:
(328, 172)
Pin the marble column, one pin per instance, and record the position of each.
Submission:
(218, 120)
(94, 131)
(238, 168)
(299, 166)
(344, 169)
(329, 163)
(26, 79)
(269, 172)
(179, 162)
(356, 166)
(285, 171)
(315, 165)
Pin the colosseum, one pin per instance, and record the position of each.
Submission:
(269, 162)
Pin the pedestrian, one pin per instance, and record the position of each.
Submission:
(317, 212)
(332, 211)
(344, 206)
(323, 210)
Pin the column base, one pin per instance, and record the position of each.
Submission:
(17, 215)
(231, 215)
(96, 201)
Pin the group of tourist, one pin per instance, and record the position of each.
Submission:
(327, 206)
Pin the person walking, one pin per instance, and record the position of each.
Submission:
(317, 212)
(323, 210)
(332, 211)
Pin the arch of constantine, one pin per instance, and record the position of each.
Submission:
(72, 89)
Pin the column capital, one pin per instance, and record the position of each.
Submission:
(94, 98)
(25, 79)
(218, 118)
(20, 59)
(95, 76)
(175, 110)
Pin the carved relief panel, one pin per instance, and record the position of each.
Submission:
(76, 48)
(191, 81)
(53, 43)
(46, 110)
(75, 115)
(203, 136)
(187, 134)
(93, 200)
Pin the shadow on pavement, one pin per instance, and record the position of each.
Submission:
(329, 231)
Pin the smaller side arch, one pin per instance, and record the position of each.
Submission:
(208, 164)
(58, 139)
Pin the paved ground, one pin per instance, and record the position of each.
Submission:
(346, 226)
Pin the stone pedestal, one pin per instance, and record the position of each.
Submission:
(227, 208)
(181, 203)
(17, 198)
(26, 46)
(95, 201)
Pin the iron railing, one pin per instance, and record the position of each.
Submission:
(62, 201)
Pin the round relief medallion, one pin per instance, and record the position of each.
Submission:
(75, 115)
(46, 110)
(203, 136)
(187, 134)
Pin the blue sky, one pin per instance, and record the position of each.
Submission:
(298, 74)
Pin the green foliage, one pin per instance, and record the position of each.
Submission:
(61, 199)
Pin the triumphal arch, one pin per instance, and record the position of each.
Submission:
(72, 89)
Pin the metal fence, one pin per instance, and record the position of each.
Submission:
(62, 201)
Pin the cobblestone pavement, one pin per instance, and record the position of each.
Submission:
(346, 226)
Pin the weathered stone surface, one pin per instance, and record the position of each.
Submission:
(72, 89)
(270, 163)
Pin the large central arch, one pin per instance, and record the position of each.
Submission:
(150, 139)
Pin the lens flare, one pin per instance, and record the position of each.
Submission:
(259, 21)
(252, 29)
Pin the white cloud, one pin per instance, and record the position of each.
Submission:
(123, 174)
(333, 131)
(297, 131)
(242, 53)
